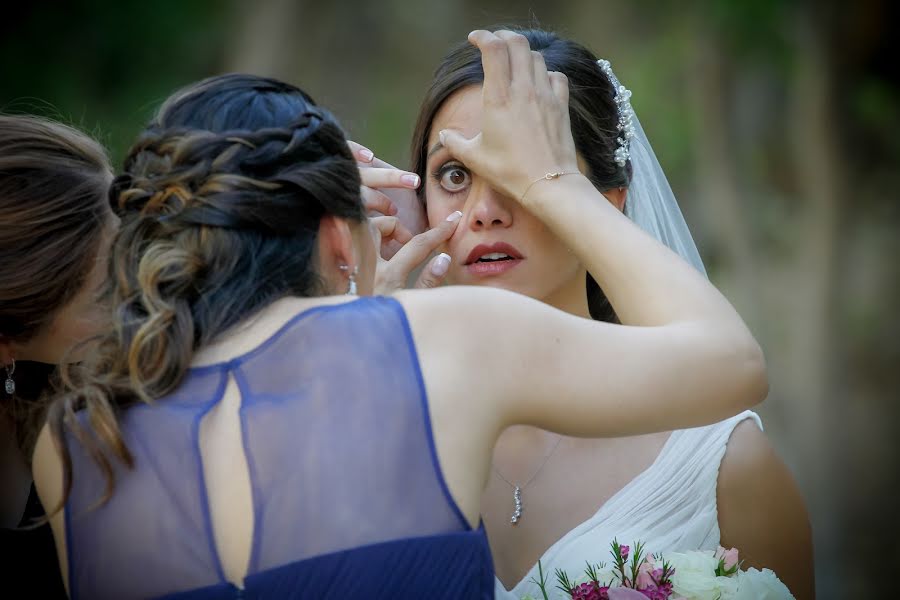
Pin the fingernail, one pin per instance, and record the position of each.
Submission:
(442, 137)
(411, 180)
(441, 265)
(455, 216)
(366, 154)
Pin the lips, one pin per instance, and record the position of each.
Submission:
(492, 259)
(482, 251)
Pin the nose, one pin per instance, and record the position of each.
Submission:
(487, 209)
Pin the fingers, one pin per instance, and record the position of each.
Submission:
(394, 273)
(457, 145)
(375, 177)
(560, 85)
(376, 202)
(520, 60)
(434, 273)
(421, 246)
(541, 76)
(360, 152)
(495, 62)
(390, 228)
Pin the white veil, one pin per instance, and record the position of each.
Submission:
(650, 202)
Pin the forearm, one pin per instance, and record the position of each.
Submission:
(647, 283)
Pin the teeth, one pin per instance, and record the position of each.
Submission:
(495, 256)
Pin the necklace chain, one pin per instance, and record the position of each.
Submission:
(518, 489)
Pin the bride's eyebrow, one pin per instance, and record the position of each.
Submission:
(437, 146)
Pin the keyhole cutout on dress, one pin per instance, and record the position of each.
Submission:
(227, 479)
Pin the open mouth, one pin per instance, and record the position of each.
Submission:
(494, 257)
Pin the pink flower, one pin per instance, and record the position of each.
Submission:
(728, 559)
(646, 575)
(623, 552)
(590, 591)
(654, 592)
(623, 593)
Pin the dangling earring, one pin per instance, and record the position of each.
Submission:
(351, 284)
(10, 384)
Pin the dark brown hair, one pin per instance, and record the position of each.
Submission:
(592, 111)
(53, 211)
(220, 203)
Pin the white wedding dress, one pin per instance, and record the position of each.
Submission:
(670, 507)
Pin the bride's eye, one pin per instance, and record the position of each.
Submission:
(453, 178)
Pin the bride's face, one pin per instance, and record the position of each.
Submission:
(497, 243)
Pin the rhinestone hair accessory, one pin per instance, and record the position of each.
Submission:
(626, 114)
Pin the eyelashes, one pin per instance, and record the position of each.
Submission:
(453, 178)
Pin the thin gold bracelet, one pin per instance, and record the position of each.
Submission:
(548, 176)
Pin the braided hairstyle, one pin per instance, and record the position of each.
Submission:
(592, 111)
(220, 204)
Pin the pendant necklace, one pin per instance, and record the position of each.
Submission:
(518, 489)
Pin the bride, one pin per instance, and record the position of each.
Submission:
(561, 499)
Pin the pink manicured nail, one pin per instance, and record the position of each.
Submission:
(367, 154)
(455, 216)
(410, 180)
(441, 265)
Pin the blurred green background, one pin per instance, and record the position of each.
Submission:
(776, 122)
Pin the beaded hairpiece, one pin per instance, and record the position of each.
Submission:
(626, 114)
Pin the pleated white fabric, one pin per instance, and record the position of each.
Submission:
(670, 507)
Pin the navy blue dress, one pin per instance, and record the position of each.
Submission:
(349, 500)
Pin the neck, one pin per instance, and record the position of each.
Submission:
(572, 297)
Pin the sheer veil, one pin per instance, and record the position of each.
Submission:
(650, 203)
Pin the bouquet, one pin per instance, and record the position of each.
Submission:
(696, 575)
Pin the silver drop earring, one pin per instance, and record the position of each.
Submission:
(10, 385)
(351, 284)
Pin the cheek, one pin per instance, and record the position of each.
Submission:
(435, 209)
(439, 204)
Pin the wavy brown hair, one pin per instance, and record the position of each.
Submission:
(53, 213)
(217, 223)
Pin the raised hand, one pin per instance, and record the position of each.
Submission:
(525, 130)
(388, 196)
(387, 190)
(392, 275)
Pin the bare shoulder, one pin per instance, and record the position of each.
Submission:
(761, 510)
(455, 298)
(748, 452)
(450, 326)
(465, 316)
(751, 471)
(47, 471)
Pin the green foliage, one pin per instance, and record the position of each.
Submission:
(104, 66)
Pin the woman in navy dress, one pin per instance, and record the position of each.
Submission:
(242, 432)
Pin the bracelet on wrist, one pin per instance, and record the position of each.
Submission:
(549, 176)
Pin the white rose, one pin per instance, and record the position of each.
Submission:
(761, 585)
(695, 575)
(605, 575)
